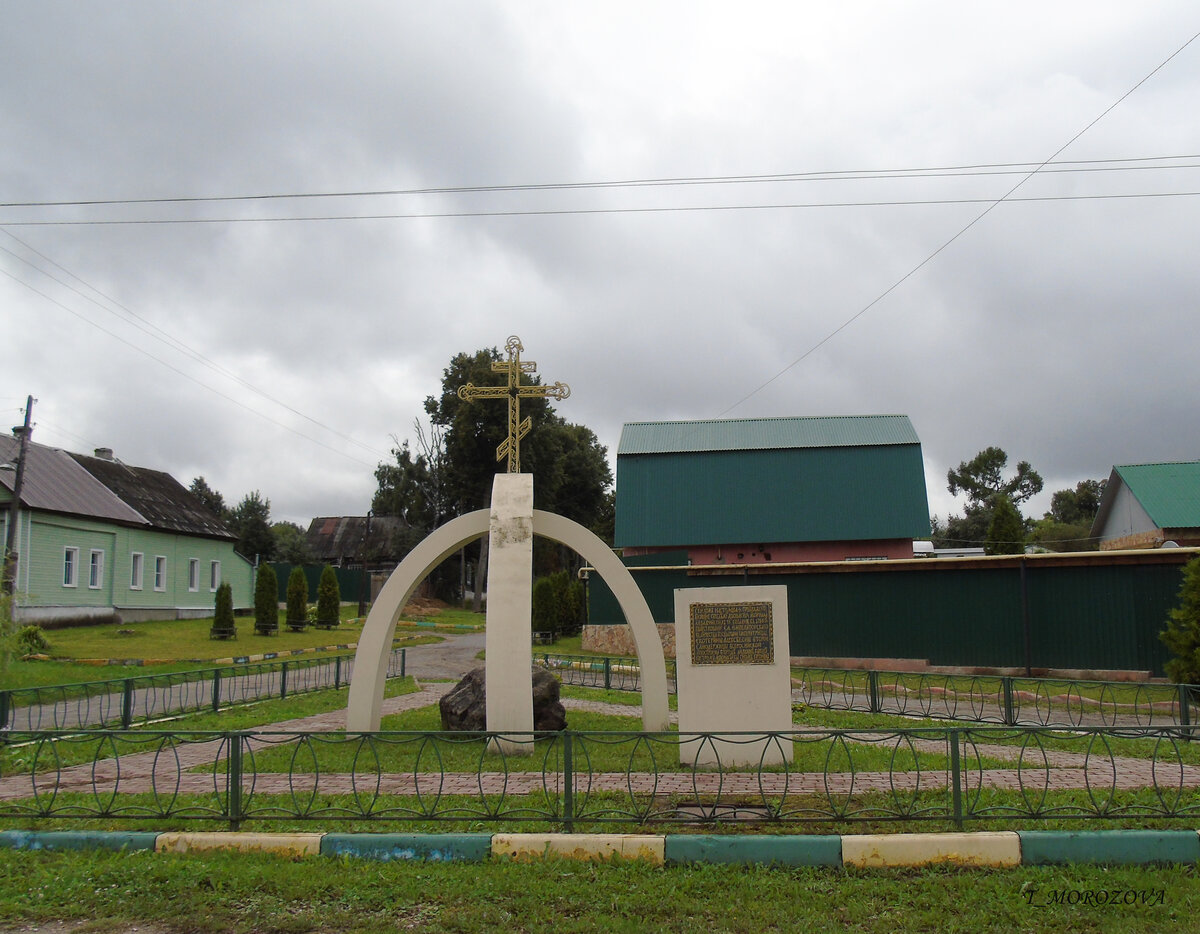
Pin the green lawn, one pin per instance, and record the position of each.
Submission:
(114, 892)
(181, 645)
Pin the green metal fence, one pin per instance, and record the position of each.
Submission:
(956, 776)
(1007, 700)
(142, 699)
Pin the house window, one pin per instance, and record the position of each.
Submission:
(214, 575)
(160, 573)
(136, 565)
(96, 569)
(71, 567)
(193, 574)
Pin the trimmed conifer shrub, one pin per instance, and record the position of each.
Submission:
(223, 626)
(266, 601)
(329, 599)
(1182, 635)
(297, 600)
(1006, 534)
(544, 607)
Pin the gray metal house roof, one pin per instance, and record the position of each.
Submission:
(54, 482)
(100, 488)
(770, 480)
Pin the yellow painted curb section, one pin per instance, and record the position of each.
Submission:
(1002, 848)
(287, 844)
(585, 846)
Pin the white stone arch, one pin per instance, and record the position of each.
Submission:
(364, 708)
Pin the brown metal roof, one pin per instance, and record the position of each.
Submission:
(334, 538)
(164, 502)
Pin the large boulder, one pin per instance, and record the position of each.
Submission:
(465, 707)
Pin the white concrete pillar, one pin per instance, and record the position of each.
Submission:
(509, 642)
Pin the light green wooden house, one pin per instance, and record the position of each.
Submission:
(101, 540)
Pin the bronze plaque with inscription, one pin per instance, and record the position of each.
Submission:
(732, 634)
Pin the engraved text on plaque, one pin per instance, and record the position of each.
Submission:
(732, 634)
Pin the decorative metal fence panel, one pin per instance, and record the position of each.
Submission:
(612, 674)
(954, 775)
(1012, 701)
(143, 699)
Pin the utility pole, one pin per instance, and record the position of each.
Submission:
(8, 583)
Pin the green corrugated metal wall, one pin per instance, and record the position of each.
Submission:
(349, 580)
(768, 496)
(1095, 616)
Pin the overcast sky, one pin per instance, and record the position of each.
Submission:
(282, 355)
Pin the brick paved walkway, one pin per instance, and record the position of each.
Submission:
(172, 773)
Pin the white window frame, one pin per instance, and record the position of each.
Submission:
(70, 566)
(193, 575)
(214, 575)
(95, 568)
(160, 573)
(137, 570)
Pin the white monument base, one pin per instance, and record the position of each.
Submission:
(733, 675)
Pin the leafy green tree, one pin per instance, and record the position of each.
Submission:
(223, 626)
(291, 544)
(403, 490)
(266, 601)
(1006, 533)
(568, 462)
(213, 501)
(297, 599)
(329, 599)
(970, 530)
(251, 523)
(1182, 635)
(982, 479)
(1068, 524)
(1060, 536)
(452, 470)
(1078, 506)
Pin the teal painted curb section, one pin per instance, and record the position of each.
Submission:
(77, 840)
(1118, 847)
(473, 847)
(794, 850)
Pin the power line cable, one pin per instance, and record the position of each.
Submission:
(952, 171)
(180, 372)
(157, 333)
(578, 212)
(1004, 198)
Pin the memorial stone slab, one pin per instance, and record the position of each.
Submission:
(733, 674)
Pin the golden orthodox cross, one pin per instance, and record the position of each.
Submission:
(515, 391)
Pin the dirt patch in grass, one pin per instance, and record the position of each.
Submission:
(424, 606)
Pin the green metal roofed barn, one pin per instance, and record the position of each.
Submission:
(756, 490)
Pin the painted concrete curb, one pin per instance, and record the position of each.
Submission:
(221, 662)
(286, 844)
(582, 846)
(1140, 847)
(1000, 848)
(747, 849)
(436, 847)
(77, 840)
(992, 849)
